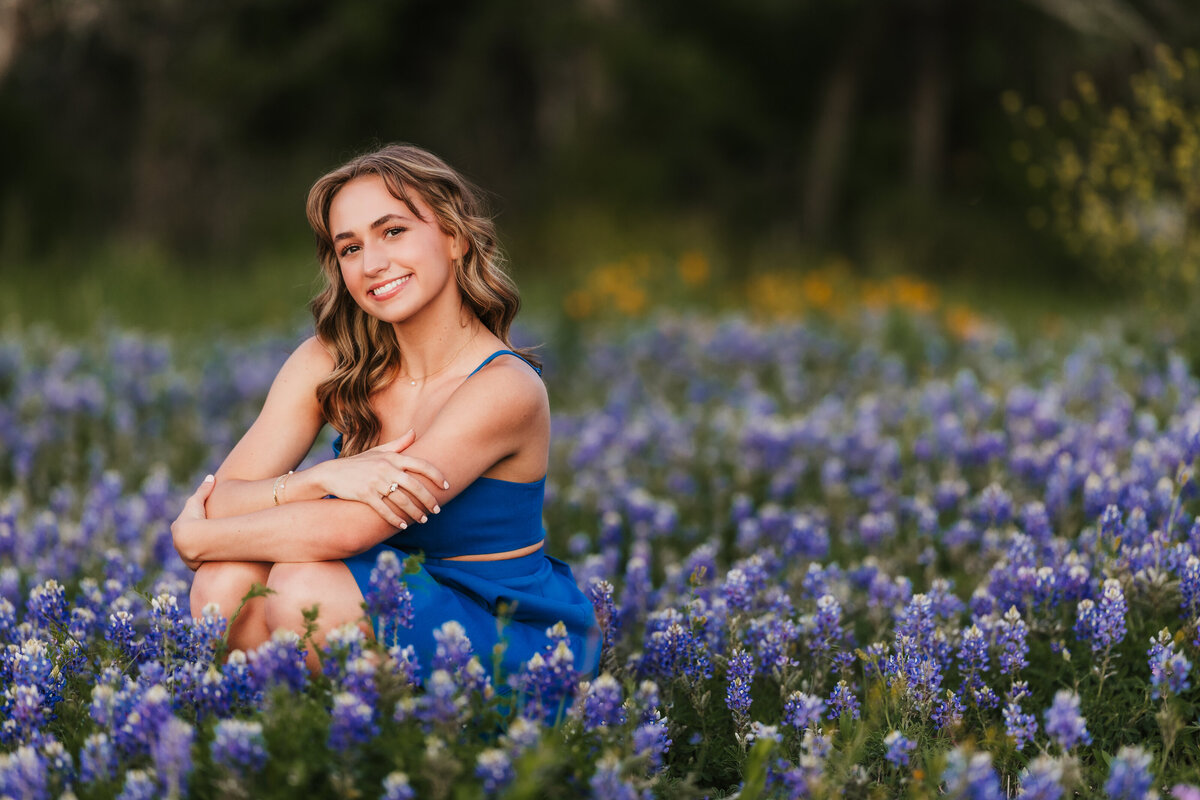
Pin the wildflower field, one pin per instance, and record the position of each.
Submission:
(863, 556)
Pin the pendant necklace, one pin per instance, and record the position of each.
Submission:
(413, 381)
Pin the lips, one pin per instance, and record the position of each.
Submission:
(386, 290)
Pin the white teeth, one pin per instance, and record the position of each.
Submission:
(387, 287)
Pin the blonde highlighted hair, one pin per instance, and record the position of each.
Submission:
(366, 355)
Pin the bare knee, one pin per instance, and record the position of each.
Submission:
(225, 583)
(297, 587)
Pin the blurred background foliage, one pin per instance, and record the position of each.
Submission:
(762, 153)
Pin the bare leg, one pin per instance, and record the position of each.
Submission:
(325, 584)
(226, 583)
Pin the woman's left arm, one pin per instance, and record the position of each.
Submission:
(500, 416)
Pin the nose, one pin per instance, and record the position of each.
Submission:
(374, 260)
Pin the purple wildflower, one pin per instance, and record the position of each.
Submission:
(651, 742)
(1103, 624)
(388, 596)
(740, 676)
(1064, 724)
(1042, 779)
(603, 704)
(352, 722)
(494, 767)
(238, 746)
(1129, 776)
(396, 787)
(1168, 670)
(803, 710)
(898, 749)
(843, 701)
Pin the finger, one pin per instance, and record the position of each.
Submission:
(421, 467)
(385, 510)
(418, 492)
(403, 501)
(195, 503)
(399, 443)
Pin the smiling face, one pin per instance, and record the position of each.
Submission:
(395, 263)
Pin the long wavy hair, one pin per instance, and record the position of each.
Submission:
(365, 352)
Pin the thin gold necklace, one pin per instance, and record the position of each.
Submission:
(413, 381)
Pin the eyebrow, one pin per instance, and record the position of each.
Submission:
(386, 218)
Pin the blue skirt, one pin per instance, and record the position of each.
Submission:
(512, 601)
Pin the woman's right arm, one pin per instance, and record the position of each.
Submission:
(250, 478)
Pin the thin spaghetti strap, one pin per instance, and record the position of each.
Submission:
(488, 360)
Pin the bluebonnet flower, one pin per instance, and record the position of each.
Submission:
(651, 742)
(737, 590)
(603, 704)
(674, 651)
(171, 750)
(440, 705)
(453, 647)
(972, 658)
(521, 734)
(1064, 724)
(24, 712)
(388, 596)
(352, 722)
(971, 778)
(1102, 624)
(239, 746)
(1019, 725)
(23, 774)
(1169, 670)
(494, 767)
(899, 749)
(97, 759)
(947, 711)
(803, 710)
(606, 782)
(772, 637)
(1011, 635)
(827, 627)
(396, 787)
(206, 634)
(646, 700)
(403, 663)
(842, 701)
(740, 675)
(238, 680)
(1129, 776)
(278, 662)
(547, 680)
(600, 592)
(1042, 779)
(138, 786)
(47, 606)
(169, 624)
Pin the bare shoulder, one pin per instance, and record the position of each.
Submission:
(307, 366)
(313, 356)
(506, 390)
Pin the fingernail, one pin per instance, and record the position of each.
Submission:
(403, 526)
(437, 509)
(209, 478)
(424, 518)
(445, 484)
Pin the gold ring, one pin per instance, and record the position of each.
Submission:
(391, 489)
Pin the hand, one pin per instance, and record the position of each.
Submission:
(193, 511)
(369, 477)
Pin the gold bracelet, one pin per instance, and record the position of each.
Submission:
(279, 485)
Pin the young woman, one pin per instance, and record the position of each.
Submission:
(411, 363)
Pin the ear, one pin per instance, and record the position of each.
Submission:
(459, 247)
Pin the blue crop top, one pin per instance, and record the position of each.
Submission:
(489, 516)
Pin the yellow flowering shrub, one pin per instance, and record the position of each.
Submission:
(1121, 185)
